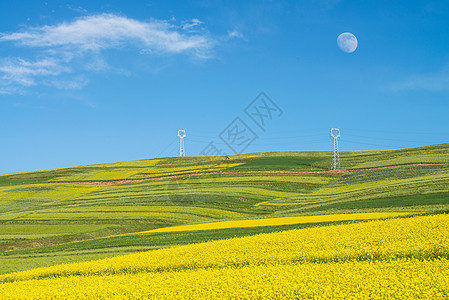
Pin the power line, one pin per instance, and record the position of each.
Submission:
(259, 144)
(385, 139)
(168, 146)
(413, 132)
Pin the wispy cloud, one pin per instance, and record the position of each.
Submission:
(434, 82)
(105, 31)
(78, 9)
(192, 24)
(22, 72)
(235, 34)
(57, 47)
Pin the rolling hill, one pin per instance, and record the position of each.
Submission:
(97, 211)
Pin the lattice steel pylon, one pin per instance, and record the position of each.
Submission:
(181, 135)
(335, 135)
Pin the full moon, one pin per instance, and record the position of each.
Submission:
(347, 42)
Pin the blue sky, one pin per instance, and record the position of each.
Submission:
(104, 81)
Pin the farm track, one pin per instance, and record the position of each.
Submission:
(124, 181)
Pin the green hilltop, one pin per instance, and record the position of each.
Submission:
(74, 214)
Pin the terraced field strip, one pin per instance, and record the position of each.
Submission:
(276, 222)
(115, 182)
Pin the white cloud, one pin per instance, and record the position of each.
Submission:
(22, 72)
(193, 23)
(236, 34)
(433, 82)
(78, 9)
(98, 32)
(76, 47)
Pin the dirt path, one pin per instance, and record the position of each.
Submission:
(115, 182)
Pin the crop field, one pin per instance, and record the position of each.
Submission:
(97, 212)
(275, 222)
(396, 258)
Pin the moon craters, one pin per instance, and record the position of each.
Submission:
(347, 42)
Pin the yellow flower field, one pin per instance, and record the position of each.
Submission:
(403, 279)
(388, 259)
(277, 221)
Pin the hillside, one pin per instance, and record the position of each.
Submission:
(63, 215)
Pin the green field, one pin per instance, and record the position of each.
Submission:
(52, 216)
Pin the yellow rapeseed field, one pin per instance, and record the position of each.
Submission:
(276, 221)
(388, 259)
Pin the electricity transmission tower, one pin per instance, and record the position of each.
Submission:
(335, 135)
(182, 135)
